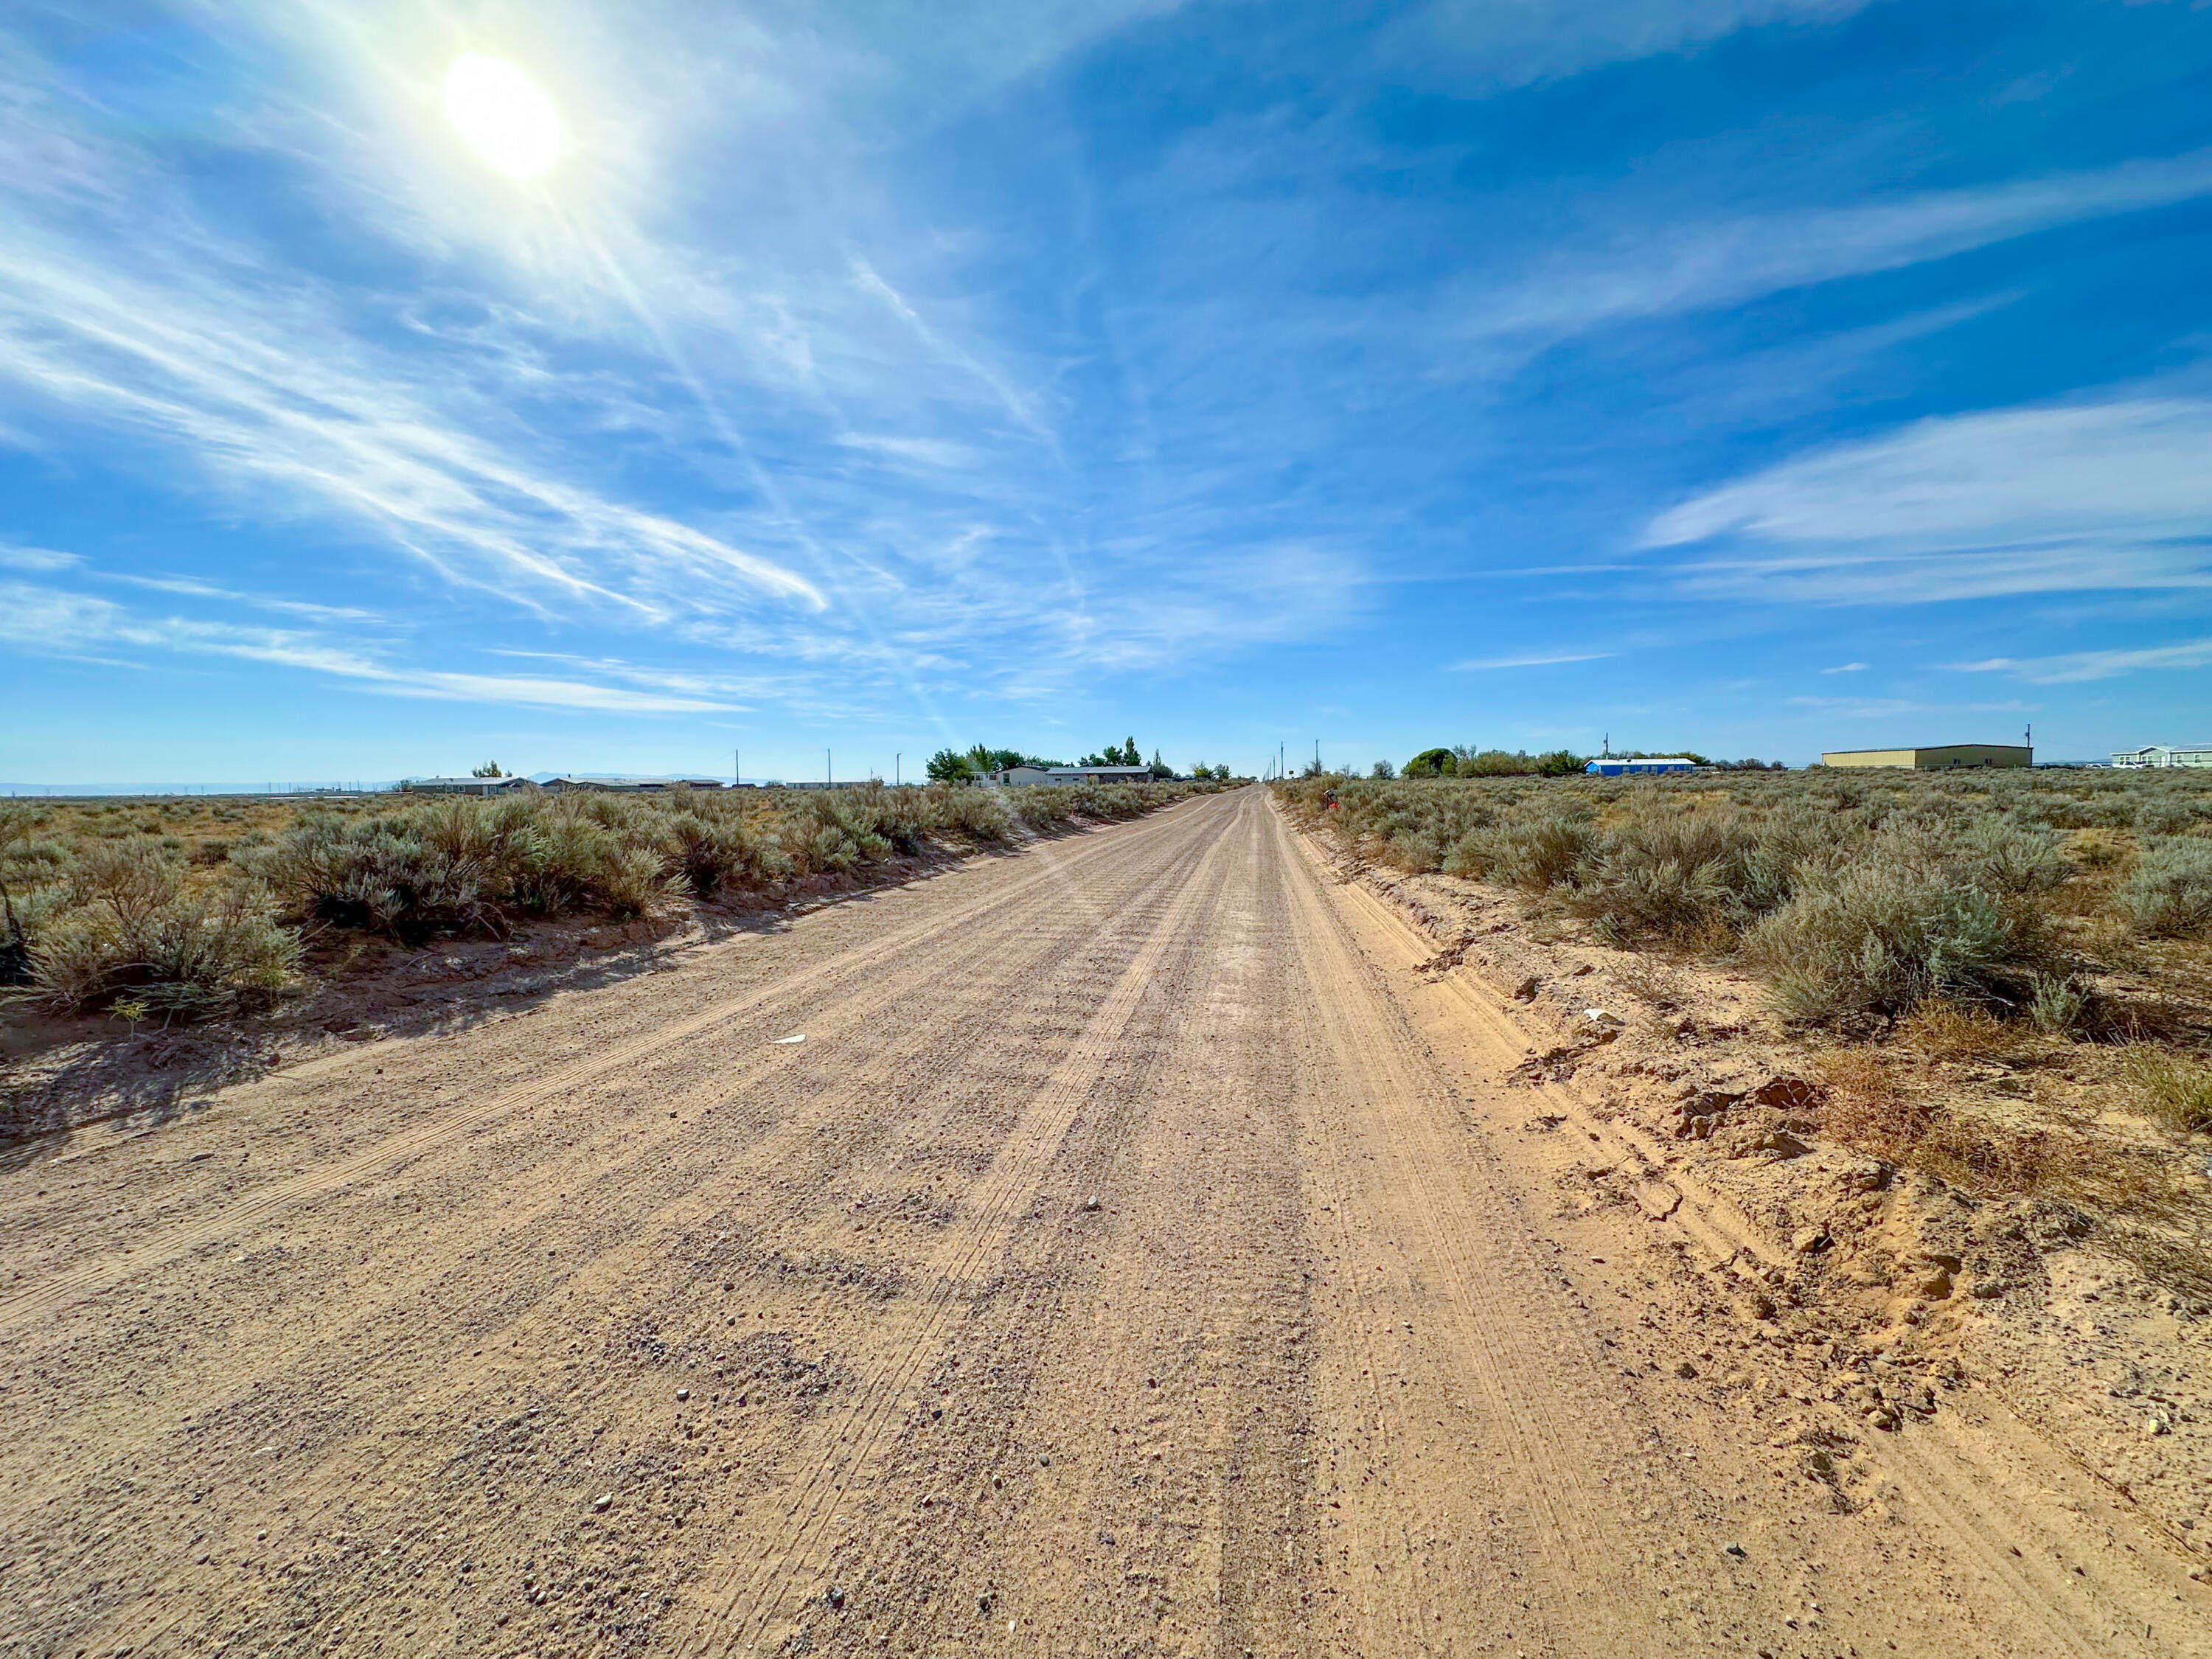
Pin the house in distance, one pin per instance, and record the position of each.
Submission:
(1017, 776)
(2159, 754)
(466, 786)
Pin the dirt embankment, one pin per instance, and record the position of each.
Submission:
(1914, 1292)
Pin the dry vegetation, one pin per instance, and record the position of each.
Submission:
(184, 909)
(2002, 978)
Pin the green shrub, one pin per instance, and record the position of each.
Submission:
(384, 874)
(1876, 940)
(2168, 894)
(464, 866)
(1542, 851)
(132, 927)
(2058, 1004)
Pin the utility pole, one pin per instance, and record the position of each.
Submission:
(1316, 757)
(895, 759)
(737, 769)
(828, 771)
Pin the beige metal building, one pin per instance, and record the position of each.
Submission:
(1939, 759)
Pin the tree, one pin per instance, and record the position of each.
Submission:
(1160, 769)
(1383, 769)
(1221, 772)
(1432, 764)
(488, 769)
(1127, 755)
(947, 766)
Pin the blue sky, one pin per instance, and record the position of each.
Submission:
(1759, 375)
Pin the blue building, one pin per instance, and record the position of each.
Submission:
(1612, 767)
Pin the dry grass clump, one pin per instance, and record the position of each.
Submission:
(1868, 1109)
(2172, 1090)
(1945, 1030)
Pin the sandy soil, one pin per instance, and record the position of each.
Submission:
(1137, 1256)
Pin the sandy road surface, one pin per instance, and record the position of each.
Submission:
(1133, 1259)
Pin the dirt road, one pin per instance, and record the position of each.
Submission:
(1134, 1258)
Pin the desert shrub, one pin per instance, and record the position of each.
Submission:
(2168, 894)
(385, 874)
(713, 854)
(1666, 874)
(1542, 851)
(1875, 936)
(2167, 814)
(2059, 1005)
(1860, 896)
(2003, 855)
(465, 865)
(131, 926)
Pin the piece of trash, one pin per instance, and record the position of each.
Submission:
(1601, 1016)
(796, 1036)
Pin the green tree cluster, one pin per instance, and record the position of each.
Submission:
(1464, 761)
(1126, 755)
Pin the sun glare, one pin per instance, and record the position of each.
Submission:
(504, 115)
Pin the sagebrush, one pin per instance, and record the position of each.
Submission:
(192, 908)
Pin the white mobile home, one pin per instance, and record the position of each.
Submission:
(2160, 754)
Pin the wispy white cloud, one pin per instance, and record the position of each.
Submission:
(1846, 668)
(1650, 266)
(319, 426)
(36, 558)
(1539, 662)
(54, 621)
(2109, 495)
(1514, 42)
(1883, 707)
(2075, 666)
(185, 586)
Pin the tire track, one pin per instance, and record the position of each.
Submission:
(89, 1277)
(740, 1614)
(1503, 1364)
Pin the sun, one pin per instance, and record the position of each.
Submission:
(504, 115)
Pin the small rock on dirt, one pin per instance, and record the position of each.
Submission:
(1527, 989)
